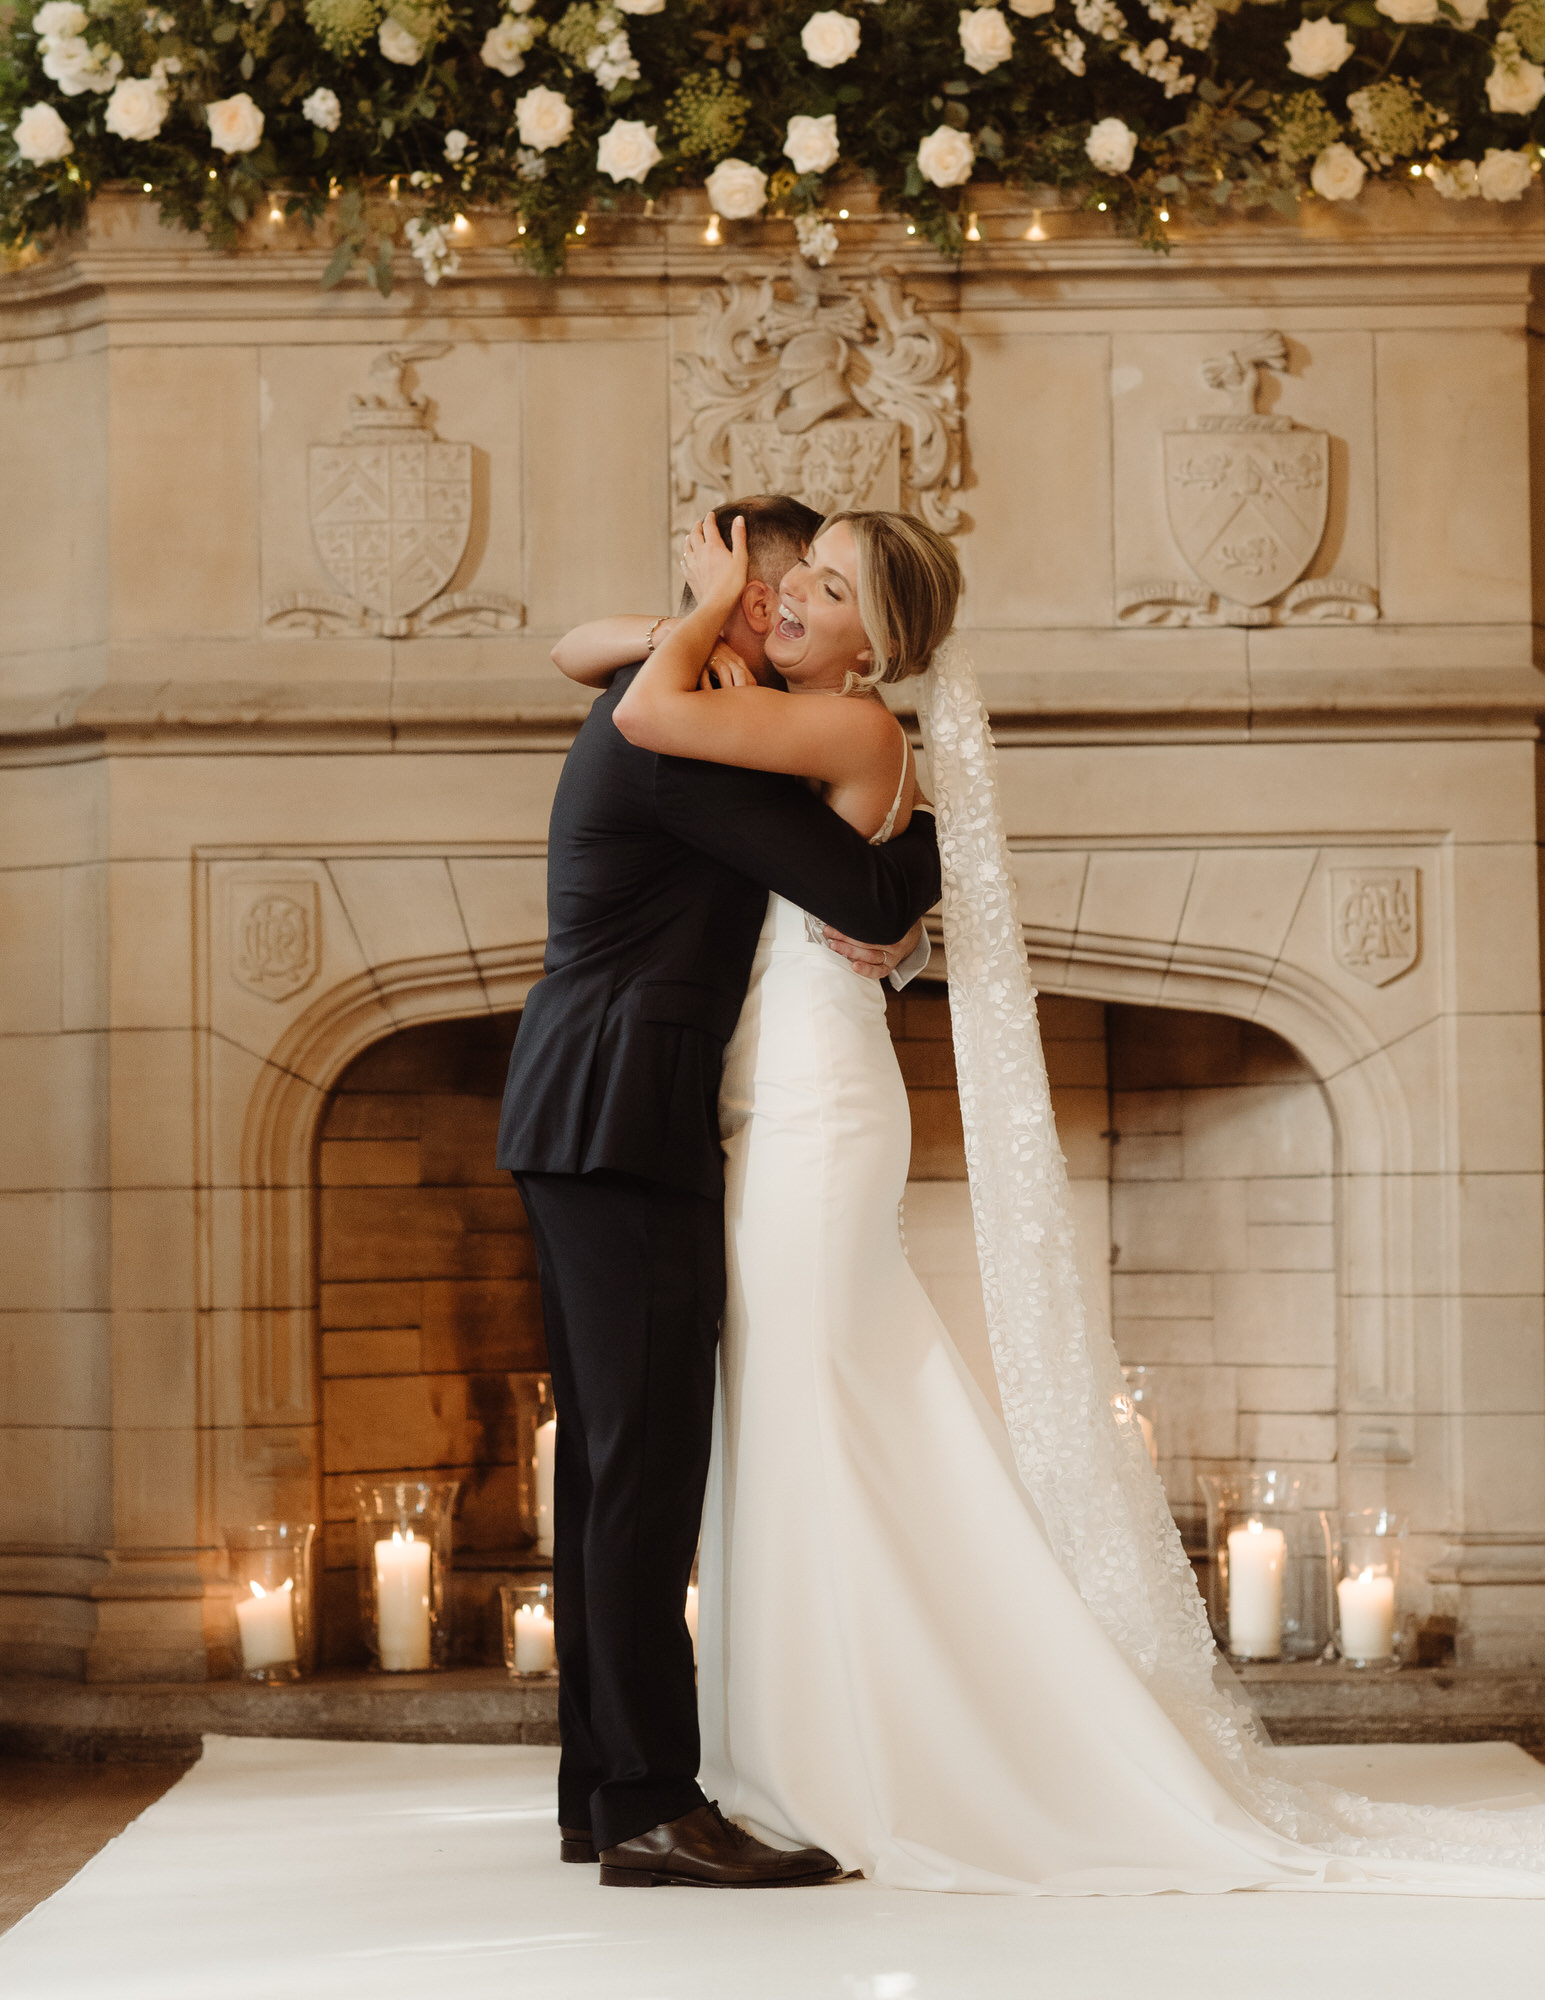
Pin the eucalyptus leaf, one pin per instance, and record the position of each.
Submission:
(385, 271)
(247, 65)
(223, 31)
(338, 264)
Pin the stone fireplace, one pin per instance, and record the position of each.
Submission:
(271, 867)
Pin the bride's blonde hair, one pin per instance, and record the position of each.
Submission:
(908, 587)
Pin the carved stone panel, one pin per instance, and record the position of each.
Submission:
(1247, 496)
(1374, 921)
(391, 506)
(276, 935)
(799, 382)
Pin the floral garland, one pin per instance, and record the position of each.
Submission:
(1145, 109)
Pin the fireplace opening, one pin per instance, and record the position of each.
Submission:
(1200, 1158)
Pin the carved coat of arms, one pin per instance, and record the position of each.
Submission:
(797, 383)
(391, 512)
(1247, 496)
(276, 936)
(1374, 915)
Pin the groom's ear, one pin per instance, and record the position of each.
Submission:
(759, 607)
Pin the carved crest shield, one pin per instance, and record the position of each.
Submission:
(1374, 915)
(832, 467)
(276, 936)
(1247, 507)
(390, 517)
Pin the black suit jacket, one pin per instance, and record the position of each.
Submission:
(657, 876)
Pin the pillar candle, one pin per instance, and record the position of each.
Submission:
(1255, 1558)
(692, 1615)
(1367, 1607)
(265, 1624)
(535, 1650)
(546, 1453)
(402, 1603)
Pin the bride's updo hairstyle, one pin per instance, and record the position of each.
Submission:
(908, 587)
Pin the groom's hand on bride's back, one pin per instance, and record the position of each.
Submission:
(873, 961)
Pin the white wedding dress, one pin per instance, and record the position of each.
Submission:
(960, 1654)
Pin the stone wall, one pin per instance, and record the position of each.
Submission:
(237, 848)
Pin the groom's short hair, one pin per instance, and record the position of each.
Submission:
(779, 529)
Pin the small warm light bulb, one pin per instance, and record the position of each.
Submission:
(1164, 215)
(1416, 172)
(842, 215)
(649, 209)
(395, 179)
(973, 234)
(711, 233)
(213, 175)
(1035, 233)
(579, 227)
(1100, 206)
(146, 186)
(520, 229)
(275, 214)
(461, 224)
(911, 229)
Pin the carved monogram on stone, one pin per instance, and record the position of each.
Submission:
(799, 383)
(276, 937)
(1247, 496)
(1374, 921)
(391, 511)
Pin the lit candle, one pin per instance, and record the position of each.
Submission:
(1149, 1436)
(546, 1453)
(535, 1649)
(1367, 1607)
(266, 1627)
(1255, 1557)
(692, 1615)
(402, 1603)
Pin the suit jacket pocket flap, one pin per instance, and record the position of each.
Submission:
(690, 1006)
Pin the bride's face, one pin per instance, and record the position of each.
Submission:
(818, 637)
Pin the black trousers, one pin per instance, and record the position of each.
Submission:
(632, 1278)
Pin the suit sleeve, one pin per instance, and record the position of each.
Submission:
(773, 830)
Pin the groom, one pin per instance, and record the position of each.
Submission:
(658, 873)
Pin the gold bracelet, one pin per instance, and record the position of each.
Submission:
(663, 619)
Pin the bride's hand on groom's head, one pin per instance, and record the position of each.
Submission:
(713, 570)
(725, 669)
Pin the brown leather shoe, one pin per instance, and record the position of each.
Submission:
(575, 1844)
(708, 1851)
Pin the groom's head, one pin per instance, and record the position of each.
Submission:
(779, 529)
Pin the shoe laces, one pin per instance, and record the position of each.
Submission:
(737, 1833)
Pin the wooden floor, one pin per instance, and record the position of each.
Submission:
(54, 1817)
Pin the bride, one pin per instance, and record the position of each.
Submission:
(959, 1651)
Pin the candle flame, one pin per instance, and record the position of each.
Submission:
(1366, 1577)
(259, 1591)
(1257, 1528)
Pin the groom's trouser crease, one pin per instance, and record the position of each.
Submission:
(632, 1276)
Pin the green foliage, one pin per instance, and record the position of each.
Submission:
(1229, 127)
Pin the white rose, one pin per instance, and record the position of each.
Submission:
(235, 123)
(41, 135)
(59, 17)
(396, 44)
(75, 67)
(1337, 174)
(817, 239)
(1514, 85)
(627, 151)
(322, 108)
(635, 6)
(811, 143)
(1110, 145)
(456, 143)
(1504, 176)
(504, 48)
(1316, 48)
(1030, 8)
(736, 189)
(543, 118)
(1455, 180)
(1409, 12)
(830, 39)
(137, 108)
(985, 37)
(946, 157)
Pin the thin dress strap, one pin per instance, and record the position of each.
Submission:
(888, 824)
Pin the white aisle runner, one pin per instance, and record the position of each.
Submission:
(370, 1871)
